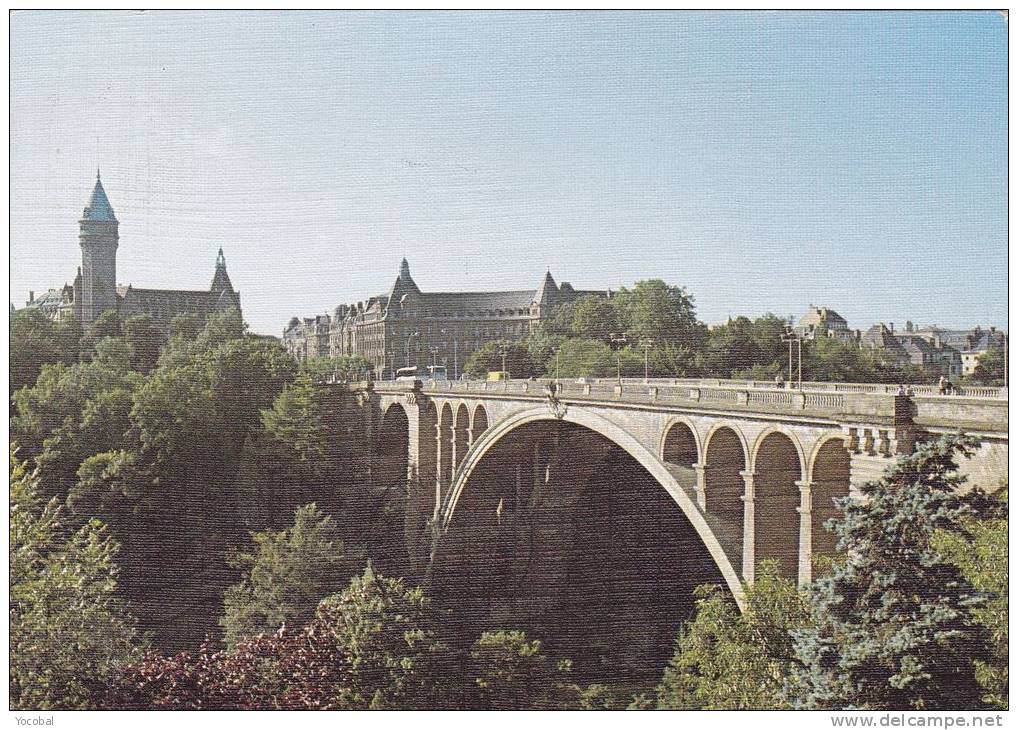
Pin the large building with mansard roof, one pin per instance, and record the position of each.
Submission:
(95, 289)
(407, 326)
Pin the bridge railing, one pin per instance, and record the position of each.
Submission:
(986, 410)
(719, 389)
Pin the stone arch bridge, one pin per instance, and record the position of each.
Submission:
(752, 469)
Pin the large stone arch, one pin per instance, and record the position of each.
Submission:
(778, 475)
(617, 436)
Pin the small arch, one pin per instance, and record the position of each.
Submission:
(724, 463)
(445, 440)
(462, 428)
(777, 465)
(830, 477)
(799, 455)
(479, 423)
(680, 445)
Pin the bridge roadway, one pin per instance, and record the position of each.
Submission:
(753, 467)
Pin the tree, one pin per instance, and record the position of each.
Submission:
(894, 625)
(595, 318)
(508, 671)
(727, 660)
(489, 358)
(36, 340)
(654, 310)
(344, 367)
(105, 325)
(285, 576)
(187, 339)
(185, 327)
(145, 340)
(578, 358)
(73, 411)
(731, 346)
(982, 556)
(990, 367)
(68, 631)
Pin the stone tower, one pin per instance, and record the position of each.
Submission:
(99, 239)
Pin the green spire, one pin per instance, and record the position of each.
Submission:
(99, 208)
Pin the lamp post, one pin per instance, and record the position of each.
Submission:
(455, 355)
(791, 336)
(557, 351)
(505, 352)
(619, 340)
(408, 338)
(647, 344)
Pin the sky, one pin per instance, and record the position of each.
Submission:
(765, 161)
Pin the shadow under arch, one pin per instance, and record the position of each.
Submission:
(572, 528)
(622, 439)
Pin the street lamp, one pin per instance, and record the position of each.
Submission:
(455, 355)
(505, 352)
(620, 340)
(647, 344)
(791, 336)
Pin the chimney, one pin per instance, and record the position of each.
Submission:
(31, 296)
(892, 328)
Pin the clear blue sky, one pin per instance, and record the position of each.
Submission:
(765, 161)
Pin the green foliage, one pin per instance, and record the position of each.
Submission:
(508, 671)
(595, 318)
(157, 456)
(662, 313)
(488, 358)
(74, 411)
(105, 325)
(187, 339)
(727, 660)
(593, 358)
(981, 554)
(285, 576)
(344, 367)
(68, 631)
(36, 340)
(386, 634)
(185, 327)
(989, 368)
(894, 625)
(294, 422)
(145, 340)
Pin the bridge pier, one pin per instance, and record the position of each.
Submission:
(748, 528)
(701, 485)
(805, 511)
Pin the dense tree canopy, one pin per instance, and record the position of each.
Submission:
(895, 625)
(285, 576)
(69, 632)
(36, 340)
(731, 660)
(990, 367)
(489, 358)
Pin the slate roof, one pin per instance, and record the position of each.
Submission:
(98, 208)
(478, 301)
